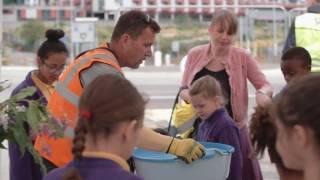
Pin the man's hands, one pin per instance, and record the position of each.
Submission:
(186, 149)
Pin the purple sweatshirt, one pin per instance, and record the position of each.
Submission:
(220, 128)
(93, 169)
(23, 167)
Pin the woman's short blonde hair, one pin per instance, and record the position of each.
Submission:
(226, 19)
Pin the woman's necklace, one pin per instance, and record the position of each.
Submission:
(217, 60)
(215, 64)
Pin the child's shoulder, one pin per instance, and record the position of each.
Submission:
(55, 174)
(225, 118)
(93, 168)
(121, 174)
(222, 120)
(228, 123)
(108, 169)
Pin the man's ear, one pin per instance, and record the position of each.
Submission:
(309, 68)
(124, 39)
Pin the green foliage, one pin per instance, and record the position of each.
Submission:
(15, 119)
(103, 33)
(31, 33)
(188, 36)
(7, 2)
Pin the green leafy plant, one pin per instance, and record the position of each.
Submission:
(29, 37)
(20, 123)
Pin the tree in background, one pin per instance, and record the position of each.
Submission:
(8, 2)
(31, 33)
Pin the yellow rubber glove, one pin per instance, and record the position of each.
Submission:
(186, 149)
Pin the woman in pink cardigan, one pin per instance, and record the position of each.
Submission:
(232, 67)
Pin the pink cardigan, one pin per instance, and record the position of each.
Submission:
(240, 66)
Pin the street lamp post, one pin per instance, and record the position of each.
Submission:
(57, 13)
(1, 41)
(71, 21)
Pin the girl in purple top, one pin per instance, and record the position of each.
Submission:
(110, 119)
(51, 58)
(216, 126)
(233, 67)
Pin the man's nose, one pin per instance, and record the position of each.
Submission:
(287, 78)
(149, 52)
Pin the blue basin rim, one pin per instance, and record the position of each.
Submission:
(146, 155)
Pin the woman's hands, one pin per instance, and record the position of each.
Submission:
(263, 99)
(184, 95)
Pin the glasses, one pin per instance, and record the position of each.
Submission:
(54, 68)
(147, 18)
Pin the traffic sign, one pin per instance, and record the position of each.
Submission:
(83, 32)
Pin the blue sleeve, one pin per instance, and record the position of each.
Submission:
(22, 167)
(230, 135)
(291, 38)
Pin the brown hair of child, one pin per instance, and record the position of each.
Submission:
(105, 103)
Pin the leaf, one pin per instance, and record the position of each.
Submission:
(23, 94)
(4, 87)
(33, 118)
(37, 158)
(3, 136)
(41, 111)
(20, 135)
(2, 146)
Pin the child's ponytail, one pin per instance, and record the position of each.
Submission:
(77, 149)
(79, 139)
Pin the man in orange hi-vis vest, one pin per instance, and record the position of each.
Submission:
(130, 45)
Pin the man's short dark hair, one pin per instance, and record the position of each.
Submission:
(133, 23)
(297, 53)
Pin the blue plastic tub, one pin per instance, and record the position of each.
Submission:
(215, 165)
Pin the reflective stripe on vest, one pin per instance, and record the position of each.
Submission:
(62, 87)
(307, 33)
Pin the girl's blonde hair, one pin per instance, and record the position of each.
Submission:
(207, 87)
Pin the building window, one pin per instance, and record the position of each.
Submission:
(179, 1)
(193, 1)
(111, 17)
(46, 15)
(151, 2)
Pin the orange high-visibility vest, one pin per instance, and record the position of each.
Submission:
(63, 104)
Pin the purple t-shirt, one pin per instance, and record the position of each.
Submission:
(220, 128)
(23, 166)
(93, 169)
